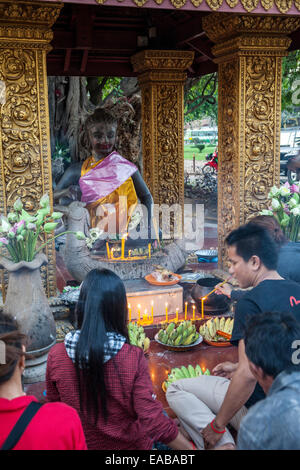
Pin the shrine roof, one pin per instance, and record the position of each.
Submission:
(92, 39)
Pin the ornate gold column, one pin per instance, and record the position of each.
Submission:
(249, 51)
(161, 76)
(25, 157)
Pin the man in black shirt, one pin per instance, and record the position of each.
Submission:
(253, 256)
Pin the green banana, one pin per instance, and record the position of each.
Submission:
(207, 372)
(188, 340)
(185, 372)
(191, 371)
(178, 340)
(198, 370)
(170, 328)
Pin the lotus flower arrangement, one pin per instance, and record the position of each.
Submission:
(20, 231)
(285, 207)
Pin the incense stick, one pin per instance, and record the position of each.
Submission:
(219, 285)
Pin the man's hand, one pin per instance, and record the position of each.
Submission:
(210, 437)
(225, 289)
(225, 369)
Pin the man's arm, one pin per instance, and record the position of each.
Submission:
(240, 389)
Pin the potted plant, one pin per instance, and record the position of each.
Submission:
(21, 236)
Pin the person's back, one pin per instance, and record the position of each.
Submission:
(55, 426)
(133, 415)
(105, 378)
(274, 423)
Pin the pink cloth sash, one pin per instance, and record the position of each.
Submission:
(104, 178)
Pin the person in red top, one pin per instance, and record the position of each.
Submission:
(55, 426)
(102, 376)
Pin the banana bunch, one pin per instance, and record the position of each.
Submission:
(137, 336)
(209, 329)
(183, 373)
(183, 335)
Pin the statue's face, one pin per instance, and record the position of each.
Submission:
(102, 138)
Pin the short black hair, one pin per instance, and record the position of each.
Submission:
(271, 341)
(250, 240)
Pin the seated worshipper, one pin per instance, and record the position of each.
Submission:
(110, 184)
(106, 379)
(51, 426)
(210, 403)
(271, 343)
(288, 259)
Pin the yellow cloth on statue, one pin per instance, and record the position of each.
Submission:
(117, 220)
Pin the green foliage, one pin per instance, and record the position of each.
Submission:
(61, 151)
(290, 74)
(198, 144)
(111, 87)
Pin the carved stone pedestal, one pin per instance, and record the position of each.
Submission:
(161, 76)
(249, 51)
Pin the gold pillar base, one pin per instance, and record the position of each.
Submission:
(161, 76)
(25, 156)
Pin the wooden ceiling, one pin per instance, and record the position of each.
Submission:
(99, 41)
(93, 41)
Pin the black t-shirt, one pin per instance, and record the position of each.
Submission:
(268, 296)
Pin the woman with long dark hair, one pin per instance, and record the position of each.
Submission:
(52, 426)
(105, 378)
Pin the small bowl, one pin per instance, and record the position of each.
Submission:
(207, 256)
(179, 348)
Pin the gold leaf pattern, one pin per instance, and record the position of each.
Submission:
(196, 3)
(232, 3)
(267, 4)
(178, 3)
(297, 4)
(214, 4)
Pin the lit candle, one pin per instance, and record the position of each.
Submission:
(107, 249)
(152, 311)
(129, 312)
(139, 313)
(194, 312)
(166, 311)
(177, 310)
(149, 250)
(185, 311)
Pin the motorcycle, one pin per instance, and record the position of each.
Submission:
(211, 166)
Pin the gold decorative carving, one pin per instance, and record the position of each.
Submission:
(267, 4)
(224, 26)
(25, 159)
(284, 5)
(140, 3)
(161, 77)
(249, 114)
(214, 4)
(178, 3)
(228, 174)
(232, 3)
(249, 5)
